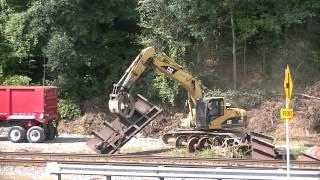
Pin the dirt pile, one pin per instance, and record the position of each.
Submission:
(313, 90)
(94, 121)
(166, 122)
(266, 119)
(85, 124)
(95, 114)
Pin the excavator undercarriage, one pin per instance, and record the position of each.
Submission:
(253, 144)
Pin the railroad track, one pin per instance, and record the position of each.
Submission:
(41, 159)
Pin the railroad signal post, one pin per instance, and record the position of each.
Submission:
(287, 113)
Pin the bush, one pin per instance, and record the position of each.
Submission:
(166, 88)
(245, 98)
(68, 109)
(17, 80)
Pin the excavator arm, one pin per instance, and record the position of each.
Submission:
(121, 101)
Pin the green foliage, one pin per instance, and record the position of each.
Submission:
(167, 89)
(87, 45)
(245, 98)
(14, 33)
(208, 153)
(68, 109)
(61, 54)
(234, 152)
(297, 151)
(17, 80)
(84, 48)
(268, 35)
(86, 87)
(276, 139)
(204, 153)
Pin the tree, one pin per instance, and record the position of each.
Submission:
(202, 32)
(83, 43)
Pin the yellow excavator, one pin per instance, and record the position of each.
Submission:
(210, 121)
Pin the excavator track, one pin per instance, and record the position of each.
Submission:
(257, 145)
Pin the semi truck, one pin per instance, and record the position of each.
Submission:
(30, 111)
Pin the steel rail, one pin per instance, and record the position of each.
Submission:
(41, 158)
(43, 163)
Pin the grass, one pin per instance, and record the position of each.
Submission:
(230, 152)
(233, 152)
(208, 153)
(296, 151)
(276, 139)
(178, 152)
(204, 153)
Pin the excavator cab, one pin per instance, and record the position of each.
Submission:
(208, 110)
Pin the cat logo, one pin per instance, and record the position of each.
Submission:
(169, 69)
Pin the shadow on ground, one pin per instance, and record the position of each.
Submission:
(4, 139)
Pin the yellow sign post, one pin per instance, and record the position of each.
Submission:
(288, 85)
(287, 113)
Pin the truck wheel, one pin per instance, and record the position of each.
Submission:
(35, 134)
(51, 132)
(17, 134)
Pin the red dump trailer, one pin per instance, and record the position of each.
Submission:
(31, 111)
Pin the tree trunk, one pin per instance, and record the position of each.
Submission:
(244, 61)
(264, 58)
(264, 61)
(233, 50)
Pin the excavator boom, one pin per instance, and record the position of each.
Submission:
(121, 101)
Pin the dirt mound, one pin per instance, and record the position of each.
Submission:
(95, 113)
(266, 119)
(166, 122)
(313, 90)
(85, 124)
(94, 121)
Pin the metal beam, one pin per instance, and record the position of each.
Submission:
(174, 172)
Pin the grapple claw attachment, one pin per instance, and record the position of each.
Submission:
(122, 104)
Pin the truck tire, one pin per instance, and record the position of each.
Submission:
(17, 134)
(36, 134)
(51, 132)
